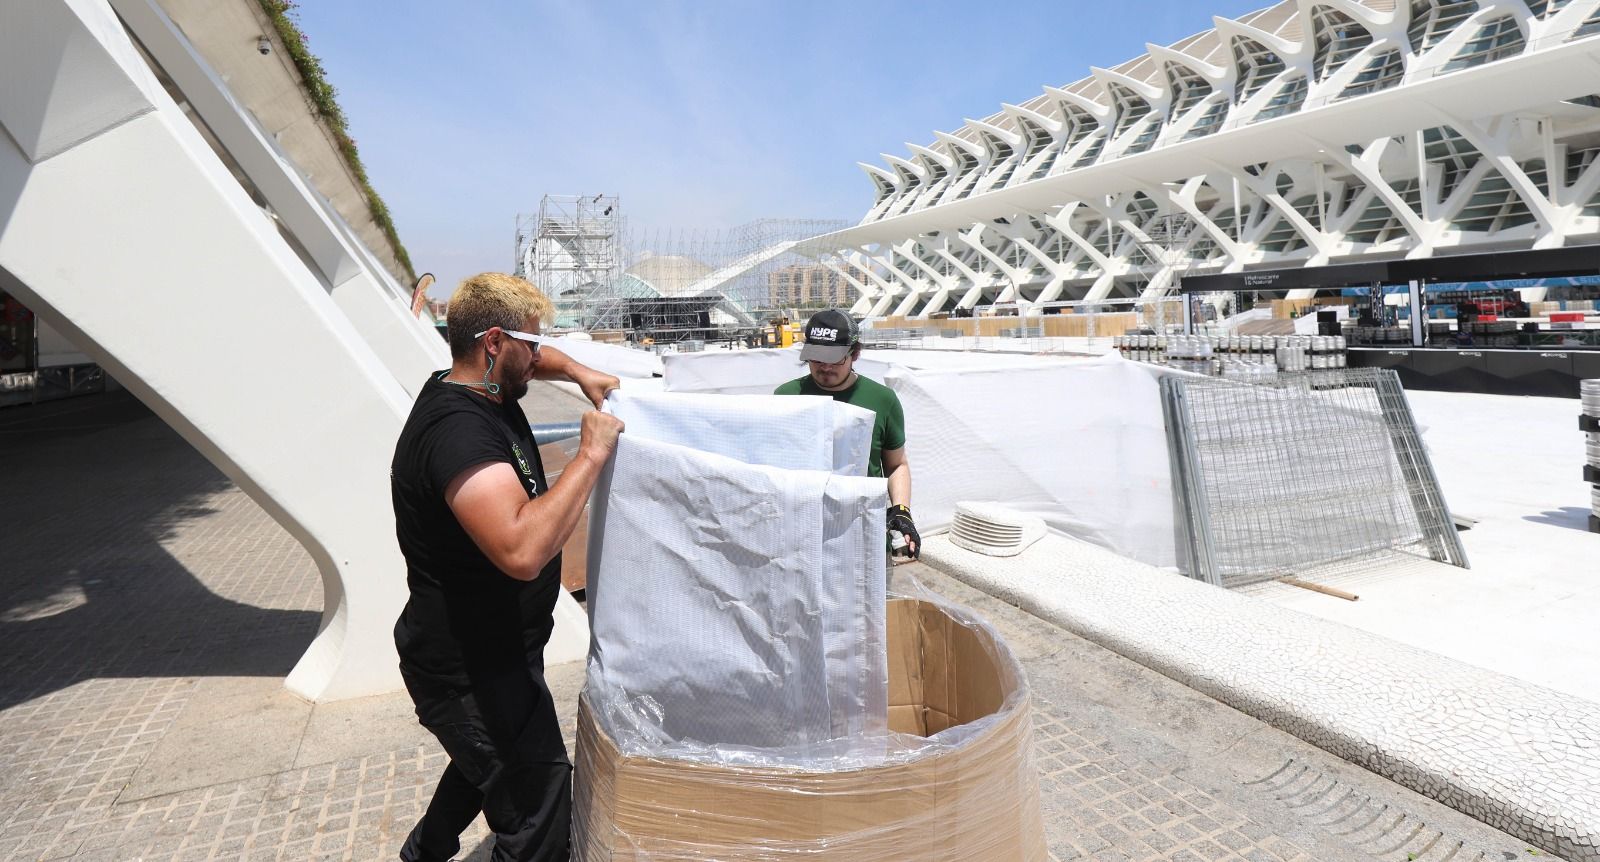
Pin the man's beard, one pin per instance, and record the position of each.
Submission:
(515, 384)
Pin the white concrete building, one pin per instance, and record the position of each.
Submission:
(1310, 132)
(281, 347)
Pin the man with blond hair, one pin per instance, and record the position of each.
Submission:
(481, 531)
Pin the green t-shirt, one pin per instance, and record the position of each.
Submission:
(889, 427)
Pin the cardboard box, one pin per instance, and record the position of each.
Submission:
(975, 797)
(575, 553)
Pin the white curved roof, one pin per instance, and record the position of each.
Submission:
(1294, 55)
(668, 274)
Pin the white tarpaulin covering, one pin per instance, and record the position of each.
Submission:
(746, 372)
(1082, 445)
(758, 372)
(1079, 442)
(615, 359)
(795, 433)
(737, 608)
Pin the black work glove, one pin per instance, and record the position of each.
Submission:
(899, 521)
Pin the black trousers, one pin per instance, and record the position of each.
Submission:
(507, 760)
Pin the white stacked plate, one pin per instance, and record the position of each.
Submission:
(987, 528)
(1591, 446)
(1594, 505)
(1589, 390)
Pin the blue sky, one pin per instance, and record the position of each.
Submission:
(698, 114)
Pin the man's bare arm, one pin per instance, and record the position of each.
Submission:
(518, 535)
(898, 470)
(555, 365)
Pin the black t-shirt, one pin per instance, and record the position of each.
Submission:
(466, 621)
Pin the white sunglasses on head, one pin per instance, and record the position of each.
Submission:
(535, 340)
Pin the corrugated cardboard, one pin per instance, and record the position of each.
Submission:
(575, 553)
(975, 800)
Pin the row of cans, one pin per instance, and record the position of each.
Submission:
(1589, 395)
(1206, 353)
(1234, 343)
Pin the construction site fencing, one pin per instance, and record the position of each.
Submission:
(1299, 473)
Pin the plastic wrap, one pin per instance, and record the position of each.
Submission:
(955, 780)
(731, 604)
(999, 435)
(758, 372)
(746, 372)
(736, 588)
(794, 432)
(618, 359)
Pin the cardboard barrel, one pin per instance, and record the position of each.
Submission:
(969, 793)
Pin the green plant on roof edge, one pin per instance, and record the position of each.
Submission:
(324, 98)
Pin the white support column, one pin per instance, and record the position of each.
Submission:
(1012, 275)
(1184, 200)
(1495, 147)
(911, 288)
(972, 238)
(942, 283)
(969, 273)
(874, 288)
(1365, 167)
(262, 371)
(1061, 220)
(861, 289)
(1322, 243)
(890, 290)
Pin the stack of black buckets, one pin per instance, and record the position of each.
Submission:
(1590, 423)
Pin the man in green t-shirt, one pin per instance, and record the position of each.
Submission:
(833, 343)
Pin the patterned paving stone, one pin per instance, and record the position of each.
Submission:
(138, 571)
(1521, 758)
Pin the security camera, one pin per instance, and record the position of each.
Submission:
(263, 46)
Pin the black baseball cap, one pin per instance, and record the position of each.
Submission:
(829, 336)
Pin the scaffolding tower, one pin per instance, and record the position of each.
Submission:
(739, 268)
(572, 251)
(673, 284)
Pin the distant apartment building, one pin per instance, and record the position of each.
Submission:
(809, 285)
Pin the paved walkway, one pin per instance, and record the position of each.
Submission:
(149, 610)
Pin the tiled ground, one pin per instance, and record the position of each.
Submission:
(131, 571)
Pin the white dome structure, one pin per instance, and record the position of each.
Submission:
(664, 275)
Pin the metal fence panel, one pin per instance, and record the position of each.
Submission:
(1299, 471)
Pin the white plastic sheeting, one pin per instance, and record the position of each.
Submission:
(1082, 445)
(1079, 442)
(611, 358)
(746, 372)
(758, 372)
(796, 433)
(737, 603)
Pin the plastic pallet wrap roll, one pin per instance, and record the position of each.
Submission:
(954, 780)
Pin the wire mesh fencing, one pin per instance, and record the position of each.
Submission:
(1297, 472)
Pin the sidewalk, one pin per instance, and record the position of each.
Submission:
(149, 610)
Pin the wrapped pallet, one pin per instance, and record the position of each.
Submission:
(736, 597)
(953, 780)
(750, 693)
